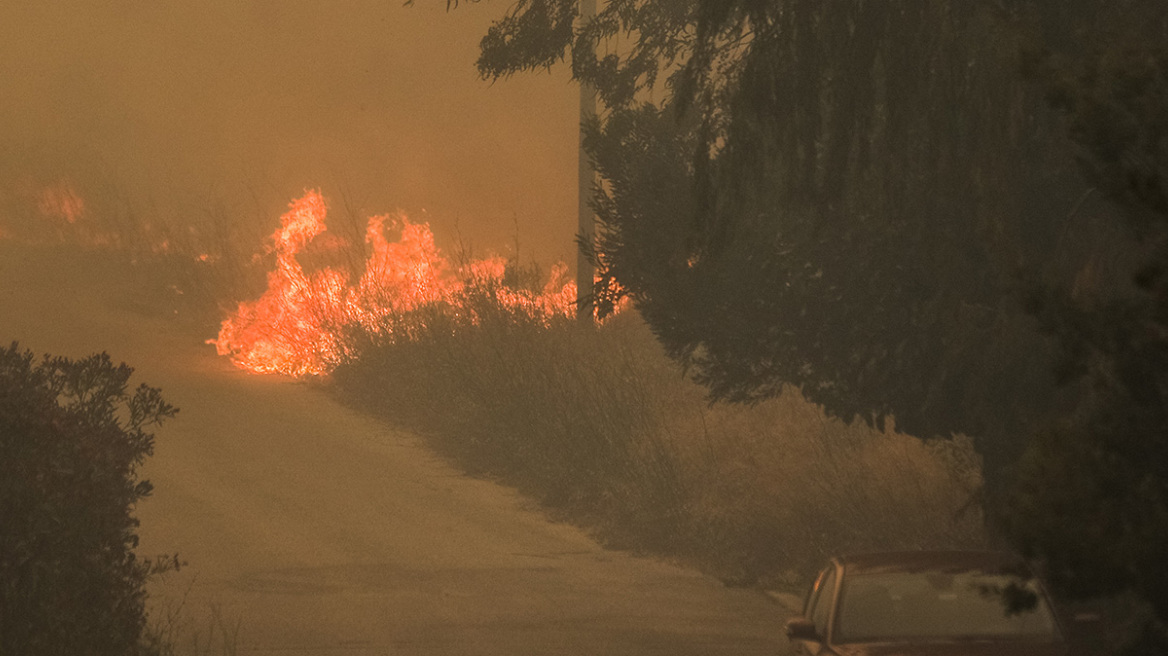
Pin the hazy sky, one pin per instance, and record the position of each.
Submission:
(224, 101)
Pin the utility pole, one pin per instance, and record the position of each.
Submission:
(586, 178)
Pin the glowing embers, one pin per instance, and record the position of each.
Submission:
(302, 322)
(60, 201)
(36, 211)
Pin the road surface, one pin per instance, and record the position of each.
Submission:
(311, 529)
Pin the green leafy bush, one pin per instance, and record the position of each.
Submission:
(71, 441)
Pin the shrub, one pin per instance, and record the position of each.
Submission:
(71, 441)
(604, 429)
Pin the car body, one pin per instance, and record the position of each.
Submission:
(955, 603)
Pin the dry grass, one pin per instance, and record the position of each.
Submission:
(607, 432)
(597, 424)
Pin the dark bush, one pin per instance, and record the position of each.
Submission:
(71, 441)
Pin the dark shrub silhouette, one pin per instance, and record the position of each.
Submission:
(71, 441)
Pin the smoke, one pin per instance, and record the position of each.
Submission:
(246, 103)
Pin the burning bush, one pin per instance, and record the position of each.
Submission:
(301, 323)
(593, 420)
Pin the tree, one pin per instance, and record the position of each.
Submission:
(71, 441)
(814, 195)
(1092, 494)
(888, 206)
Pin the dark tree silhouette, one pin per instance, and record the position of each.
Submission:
(848, 198)
(1092, 498)
(910, 210)
(71, 441)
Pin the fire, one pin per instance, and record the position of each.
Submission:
(61, 201)
(298, 326)
(61, 212)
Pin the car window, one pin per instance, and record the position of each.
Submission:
(821, 613)
(941, 605)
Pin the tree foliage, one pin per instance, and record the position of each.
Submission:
(1092, 498)
(71, 441)
(814, 194)
(929, 211)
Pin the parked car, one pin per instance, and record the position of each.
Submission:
(954, 603)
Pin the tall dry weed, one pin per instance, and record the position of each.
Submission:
(603, 428)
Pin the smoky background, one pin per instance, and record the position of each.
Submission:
(183, 113)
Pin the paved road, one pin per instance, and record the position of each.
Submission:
(315, 530)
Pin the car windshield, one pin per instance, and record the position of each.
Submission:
(892, 606)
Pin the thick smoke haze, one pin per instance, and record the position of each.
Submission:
(242, 104)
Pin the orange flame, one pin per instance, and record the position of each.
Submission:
(297, 326)
(61, 201)
(62, 211)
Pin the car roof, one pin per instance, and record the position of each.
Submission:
(920, 561)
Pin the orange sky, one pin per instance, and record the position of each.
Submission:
(246, 103)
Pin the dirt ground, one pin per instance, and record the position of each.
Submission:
(310, 529)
